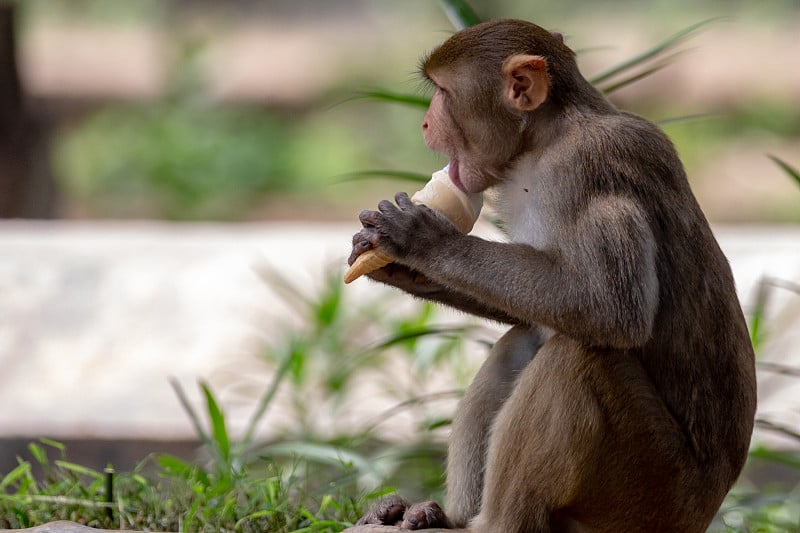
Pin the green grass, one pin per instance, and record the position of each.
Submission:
(173, 496)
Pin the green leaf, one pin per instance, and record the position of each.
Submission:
(661, 47)
(179, 467)
(384, 95)
(325, 453)
(790, 170)
(78, 469)
(20, 471)
(757, 333)
(416, 333)
(460, 13)
(415, 177)
(38, 453)
(218, 428)
(54, 444)
(785, 458)
(329, 305)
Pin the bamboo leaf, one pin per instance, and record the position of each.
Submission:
(785, 458)
(659, 48)
(790, 170)
(608, 89)
(385, 95)
(460, 13)
(327, 454)
(415, 177)
(421, 332)
(757, 333)
(683, 118)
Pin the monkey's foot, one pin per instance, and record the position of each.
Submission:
(395, 511)
(425, 515)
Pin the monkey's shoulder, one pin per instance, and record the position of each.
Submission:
(615, 152)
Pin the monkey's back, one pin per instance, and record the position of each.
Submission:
(700, 357)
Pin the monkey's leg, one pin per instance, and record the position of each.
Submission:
(544, 441)
(469, 438)
(585, 443)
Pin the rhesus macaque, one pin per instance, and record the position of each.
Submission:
(622, 398)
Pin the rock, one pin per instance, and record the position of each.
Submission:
(62, 526)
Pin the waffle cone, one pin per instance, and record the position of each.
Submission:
(367, 262)
(441, 195)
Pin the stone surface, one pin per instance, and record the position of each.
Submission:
(382, 529)
(61, 526)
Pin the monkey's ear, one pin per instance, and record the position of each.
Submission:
(525, 81)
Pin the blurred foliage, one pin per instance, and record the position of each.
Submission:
(177, 162)
(188, 157)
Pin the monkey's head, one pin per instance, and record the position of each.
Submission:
(495, 84)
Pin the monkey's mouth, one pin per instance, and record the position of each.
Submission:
(455, 177)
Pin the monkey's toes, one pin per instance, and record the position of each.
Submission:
(425, 515)
(388, 512)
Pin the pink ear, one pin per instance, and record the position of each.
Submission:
(526, 81)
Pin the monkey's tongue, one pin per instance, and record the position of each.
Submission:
(452, 171)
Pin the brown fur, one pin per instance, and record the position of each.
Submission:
(623, 397)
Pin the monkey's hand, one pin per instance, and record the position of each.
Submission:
(416, 283)
(393, 274)
(406, 231)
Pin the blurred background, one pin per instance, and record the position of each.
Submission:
(178, 190)
(191, 110)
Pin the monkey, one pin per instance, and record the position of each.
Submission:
(623, 396)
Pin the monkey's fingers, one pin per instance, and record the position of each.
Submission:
(366, 263)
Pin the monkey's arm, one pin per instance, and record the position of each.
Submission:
(599, 285)
(419, 285)
(416, 284)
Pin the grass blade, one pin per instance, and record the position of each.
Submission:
(187, 406)
(79, 469)
(661, 47)
(790, 170)
(265, 401)
(218, 429)
(460, 13)
(20, 471)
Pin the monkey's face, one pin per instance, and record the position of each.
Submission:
(448, 131)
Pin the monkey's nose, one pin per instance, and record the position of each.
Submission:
(424, 124)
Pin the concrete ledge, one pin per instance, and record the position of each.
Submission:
(95, 318)
(61, 526)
